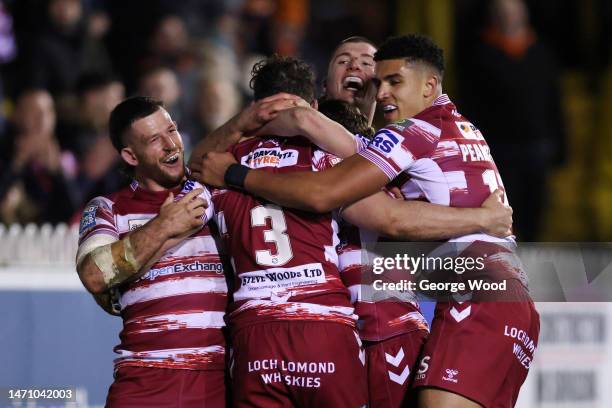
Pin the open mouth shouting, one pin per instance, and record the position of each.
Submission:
(171, 159)
(353, 83)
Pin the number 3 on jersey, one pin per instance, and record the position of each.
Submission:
(277, 235)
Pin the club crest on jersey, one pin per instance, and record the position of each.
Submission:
(386, 140)
(270, 157)
(88, 220)
(469, 131)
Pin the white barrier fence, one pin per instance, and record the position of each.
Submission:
(35, 245)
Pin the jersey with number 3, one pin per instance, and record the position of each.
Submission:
(285, 260)
(437, 156)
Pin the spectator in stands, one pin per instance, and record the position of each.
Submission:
(8, 50)
(64, 50)
(98, 94)
(171, 45)
(219, 96)
(37, 178)
(161, 83)
(510, 88)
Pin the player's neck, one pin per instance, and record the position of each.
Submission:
(432, 99)
(149, 184)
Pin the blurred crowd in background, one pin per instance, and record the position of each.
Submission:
(534, 76)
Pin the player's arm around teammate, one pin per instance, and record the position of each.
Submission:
(326, 190)
(245, 123)
(398, 219)
(319, 129)
(415, 220)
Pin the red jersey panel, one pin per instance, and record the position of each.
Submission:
(173, 314)
(381, 314)
(285, 260)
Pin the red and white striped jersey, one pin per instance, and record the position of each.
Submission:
(440, 157)
(285, 260)
(382, 314)
(172, 315)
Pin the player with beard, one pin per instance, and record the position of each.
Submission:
(436, 154)
(147, 248)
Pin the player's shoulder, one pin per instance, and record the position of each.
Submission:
(95, 209)
(407, 129)
(418, 124)
(399, 126)
(108, 202)
(244, 144)
(105, 202)
(455, 125)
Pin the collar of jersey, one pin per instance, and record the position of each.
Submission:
(143, 194)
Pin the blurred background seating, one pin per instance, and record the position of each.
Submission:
(536, 81)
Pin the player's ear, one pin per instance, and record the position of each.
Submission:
(431, 86)
(128, 156)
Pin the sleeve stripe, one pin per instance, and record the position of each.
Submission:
(104, 221)
(386, 168)
(105, 229)
(99, 230)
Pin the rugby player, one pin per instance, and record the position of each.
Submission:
(291, 322)
(443, 158)
(147, 245)
(349, 75)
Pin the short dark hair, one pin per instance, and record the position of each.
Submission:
(347, 115)
(126, 113)
(283, 74)
(413, 47)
